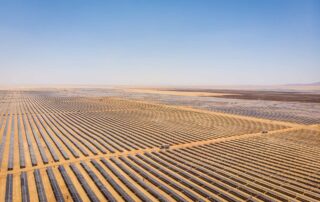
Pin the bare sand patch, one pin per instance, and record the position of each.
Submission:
(179, 93)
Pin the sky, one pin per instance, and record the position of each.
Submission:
(159, 42)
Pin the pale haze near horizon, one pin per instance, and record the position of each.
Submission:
(159, 42)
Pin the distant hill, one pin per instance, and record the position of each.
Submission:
(304, 84)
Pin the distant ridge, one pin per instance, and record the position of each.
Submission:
(304, 84)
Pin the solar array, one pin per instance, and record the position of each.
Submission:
(64, 148)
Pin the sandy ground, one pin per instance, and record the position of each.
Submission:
(166, 92)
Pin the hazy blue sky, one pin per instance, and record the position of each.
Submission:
(159, 42)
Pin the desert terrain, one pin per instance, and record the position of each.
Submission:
(117, 144)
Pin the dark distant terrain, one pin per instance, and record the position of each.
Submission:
(260, 95)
